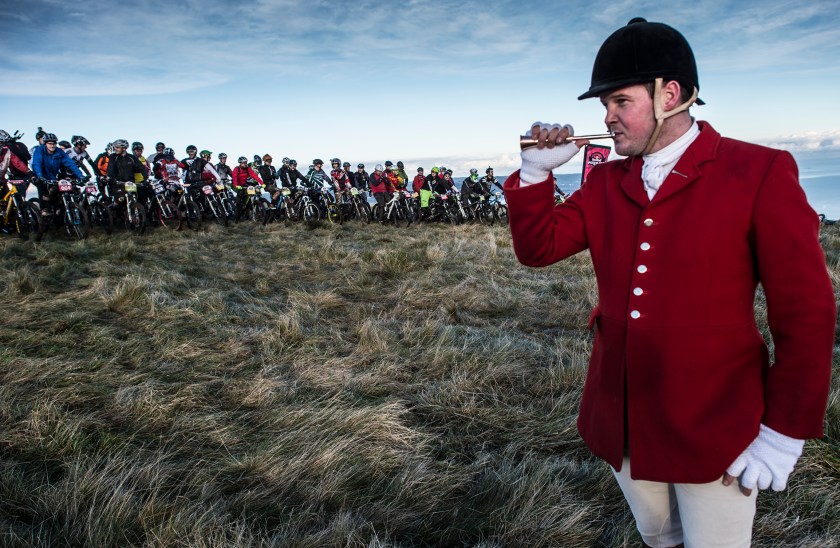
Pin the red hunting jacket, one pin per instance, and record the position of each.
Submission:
(678, 363)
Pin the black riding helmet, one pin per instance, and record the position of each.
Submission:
(639, 53)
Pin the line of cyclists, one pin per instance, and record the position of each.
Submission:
(161, 189)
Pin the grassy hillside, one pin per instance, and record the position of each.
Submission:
(330, 386)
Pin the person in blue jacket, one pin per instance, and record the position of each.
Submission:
(49, 163)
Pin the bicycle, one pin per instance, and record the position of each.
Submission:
(97, 209)
(187, 209)
(133, 212)
(159, 210)
(15, 210)
(74, 218)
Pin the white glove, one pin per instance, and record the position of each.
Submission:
(537, 164)
(767, 461)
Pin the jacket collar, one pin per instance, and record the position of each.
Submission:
(687, 170)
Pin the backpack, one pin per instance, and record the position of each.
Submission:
(195, 170)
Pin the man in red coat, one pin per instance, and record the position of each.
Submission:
(680, 397)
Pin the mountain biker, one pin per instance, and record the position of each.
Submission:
(468, 187)
(401, 175)
(361, 179)
(167, 168)
(102, 159)
(380, 185)
(123, 168)
(9, 159)
(224, 170)
(243, 176)
(209, 174)
(49, 162)
(489, 179)
(39, 136)
(289, 175)
(339, 179)
(137, 150)
(191, 176)
(65, 145)
(79, 154)
(393, 177)
(269, 176)
(317, 176)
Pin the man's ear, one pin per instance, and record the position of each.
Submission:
(670, 98)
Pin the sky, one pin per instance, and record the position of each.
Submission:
(428, 82)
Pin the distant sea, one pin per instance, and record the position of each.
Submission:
(819, 177)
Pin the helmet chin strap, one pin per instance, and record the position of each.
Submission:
(660, 115)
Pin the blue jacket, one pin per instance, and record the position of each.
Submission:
(48, 166)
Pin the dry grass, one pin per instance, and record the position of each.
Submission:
(318, 386)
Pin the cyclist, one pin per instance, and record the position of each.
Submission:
(65, 145)
(269, 176)
(124, 167)
(49, 162)
(39, 136)
(101, 161)
(469, 187)
(224, 170)
(419, 179)
(380, 185)
(351, 177)
(361, 179)
(317, 176)
(289, 175)
(428, 187)
(339, 179)
(393, 178)
(208, 171)
(401, 174)
(79, 154)
(168, 168)
(445, 184)
(243, 174)
(159, 148)
(137, 150)
(489, 179)
(9, 159)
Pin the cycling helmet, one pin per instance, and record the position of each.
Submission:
(206, 153)
(400, 165)
(242, 159)
(64, 144)
(120, 143)
(379, 167)
(222, 156)
(435, 169)
(136, 145)
(191, 148)
(388, 163)
(420, 169)
(473, 171)
(4, 136)
(50, 137)
(448, 172)
(40, 133)
(267, 157)
(109, 148)
(159, 145)
(345, 164)
(286, 160)
(317, 162)
(292, 162)
(168, 152)
(361, 166)
(79, 140)
(488, 170)
(335, 161)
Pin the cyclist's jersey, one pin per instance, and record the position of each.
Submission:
(339, 178)
(168, 170)
(102, 163)
(8, 159)
(394, 179)
(78, 157)
(379, 182)
(417, 184)
(225, 172)
(361, 179)
(141, 176)
(241, 176)
(318, 177)
(289, 177)
(403, 177)
(488, 182)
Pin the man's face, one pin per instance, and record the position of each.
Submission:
(51, 146)
(191, 153)
(223, 160)
(138, 151)
(630, 117)
(120, 150)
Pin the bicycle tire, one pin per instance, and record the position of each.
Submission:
(365, 213)
(135, 218)
(101, 216)
(168, 214)
(192, 215)
(76, 222)
(311, 213)
(27, 223)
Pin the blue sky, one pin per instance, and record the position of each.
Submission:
(428, 82)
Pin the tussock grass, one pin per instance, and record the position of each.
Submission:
(319, 386)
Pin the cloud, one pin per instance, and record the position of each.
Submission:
(815, 141)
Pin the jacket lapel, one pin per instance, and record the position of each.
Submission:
(687, 170)
(632, 184)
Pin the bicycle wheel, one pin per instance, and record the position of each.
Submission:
(377, 213)
(27, 223)
(334, 214)
(394, 214)
(76, 221)
(365, 212)
(192, 215)
(485, 215)
(100, 216)
(168, 214)
(502, 214)
(135, 218)
(311, 213)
